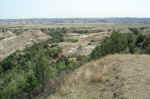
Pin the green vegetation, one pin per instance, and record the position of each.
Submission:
(18, 31)
(71, 40)
(57, 33)
(3, 30)
(25, 73)
(1, 38)
(134, 42)
(114, 44)
(80, 31)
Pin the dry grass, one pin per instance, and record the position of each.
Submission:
(82, 46)
(6, 34)
(113, 77)
(11, 44)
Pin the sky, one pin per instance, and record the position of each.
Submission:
(12, 9)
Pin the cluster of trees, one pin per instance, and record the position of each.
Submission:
(25, 73)
(56, 33)
(80, 31)
(71, 40)
(3, 29)
(84, 31)
(132, 42)
(18, 31)
(1, 38)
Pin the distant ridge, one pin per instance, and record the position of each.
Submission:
(113, 19)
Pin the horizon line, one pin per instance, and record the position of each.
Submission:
(72, 18)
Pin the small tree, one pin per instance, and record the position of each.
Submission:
(116, 43)
(1, 69)
(42, 69)
(135, 31)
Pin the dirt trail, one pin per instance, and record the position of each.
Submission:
(113, 77)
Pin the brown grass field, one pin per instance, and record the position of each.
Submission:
(113, 77)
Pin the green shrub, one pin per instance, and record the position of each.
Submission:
(82, 59)
(146, 45)
(71, 40)
(4, 29)
(57, 34)
(114, 44)
(135, 31)
(18, 31)
(134, 42)
(80, 31)
(54, 52)
(1, 38)
(23, 71)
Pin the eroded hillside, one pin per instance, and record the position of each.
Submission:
(14, 42)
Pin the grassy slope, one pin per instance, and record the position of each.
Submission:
(113, 77)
